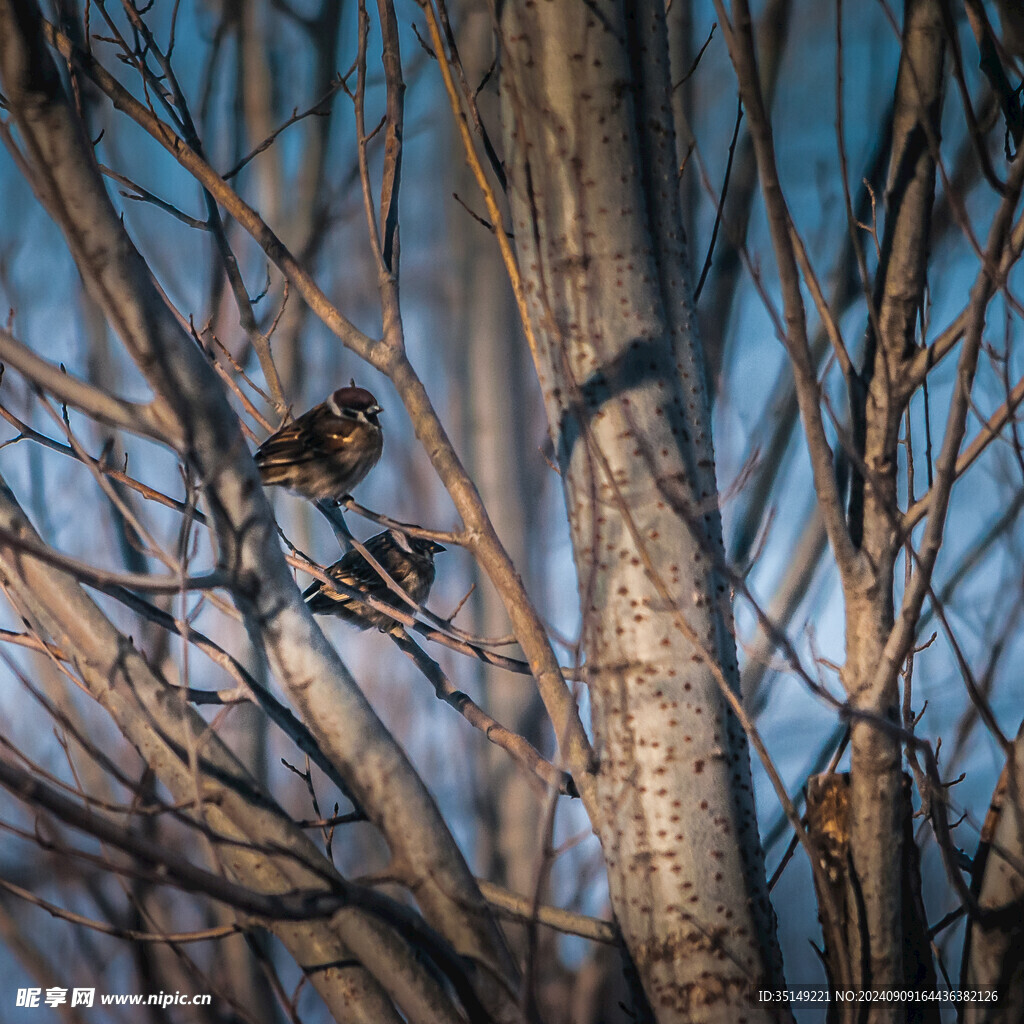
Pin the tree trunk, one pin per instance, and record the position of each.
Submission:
(878, 799)
(846, 953)
(590, 155)
(993, 955)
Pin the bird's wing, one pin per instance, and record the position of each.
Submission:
(353, 572)
(359, 574)
(310, 437)
(289, 445)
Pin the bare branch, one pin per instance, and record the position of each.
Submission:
(319, 109)
(150, 420)
(991, 429)
(520, 908)
(517, 746)
(741, 48)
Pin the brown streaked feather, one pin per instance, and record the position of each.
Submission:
(313, 435)
(320, 455)
(411, 570)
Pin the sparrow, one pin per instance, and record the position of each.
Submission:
(327, 451)
(409, 561)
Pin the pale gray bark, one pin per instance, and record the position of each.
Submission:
(590, 153)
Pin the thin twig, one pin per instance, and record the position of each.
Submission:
(523, 752)
(721, 198)
(317, 109)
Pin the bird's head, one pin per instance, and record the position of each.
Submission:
(417, 545)
(354, 403)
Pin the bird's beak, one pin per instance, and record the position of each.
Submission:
(438, 548)
(375, 410)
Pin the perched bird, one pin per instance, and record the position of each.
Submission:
(409, 561)
(327, 451)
